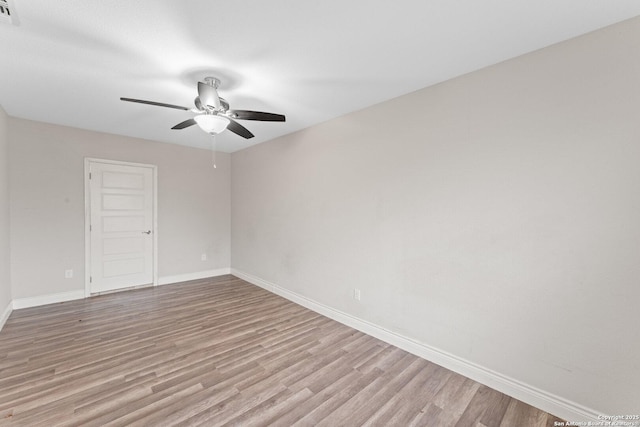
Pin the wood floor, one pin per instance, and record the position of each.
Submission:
(224, 352)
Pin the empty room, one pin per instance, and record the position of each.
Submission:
(417, 213)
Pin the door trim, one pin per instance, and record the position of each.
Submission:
(87, 217)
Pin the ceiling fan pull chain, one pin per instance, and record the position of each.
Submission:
(213, 150)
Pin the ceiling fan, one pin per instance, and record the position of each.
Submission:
(214, 113)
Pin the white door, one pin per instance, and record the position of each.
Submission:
(121, 225)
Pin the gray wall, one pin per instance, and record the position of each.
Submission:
(494, 216)
(47, 204)
(5, 275)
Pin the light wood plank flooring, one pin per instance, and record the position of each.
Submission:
(224, 352)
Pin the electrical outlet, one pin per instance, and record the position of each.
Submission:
(68, 274)
(356, 294)
(203, 257)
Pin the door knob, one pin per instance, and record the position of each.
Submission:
(146, 232)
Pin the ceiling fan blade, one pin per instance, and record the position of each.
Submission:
(238, 129)
(185, 124)
(208, 95)
(159, 104)
(257, 115)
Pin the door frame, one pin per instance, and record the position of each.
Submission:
(87, 217)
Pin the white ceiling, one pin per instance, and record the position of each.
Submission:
(68, 62)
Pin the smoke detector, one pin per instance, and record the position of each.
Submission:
(7, 13)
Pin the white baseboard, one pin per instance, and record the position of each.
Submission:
(47, 299)
(165, 280)
(73, 295)
(5, 314)
(541, 399)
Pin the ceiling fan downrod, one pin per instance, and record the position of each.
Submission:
(212, 81)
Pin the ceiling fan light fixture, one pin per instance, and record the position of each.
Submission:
(212, 123)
